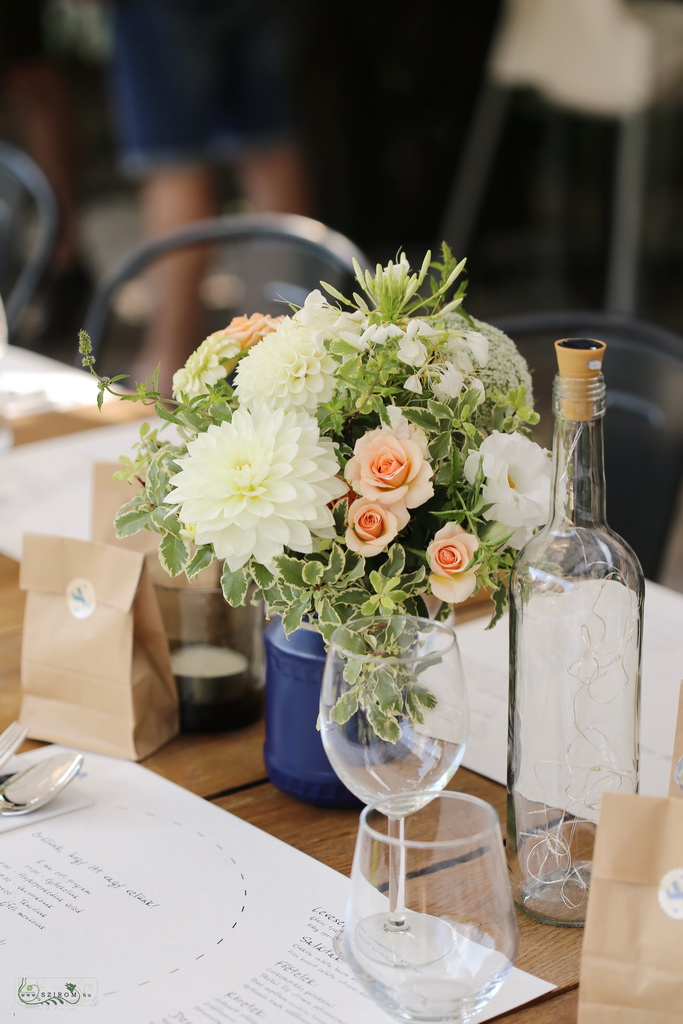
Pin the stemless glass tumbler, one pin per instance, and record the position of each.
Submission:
(455, 886)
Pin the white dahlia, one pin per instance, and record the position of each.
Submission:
(205, 367)
(288, 369)
(257, 485)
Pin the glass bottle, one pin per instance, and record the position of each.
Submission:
(576, 605)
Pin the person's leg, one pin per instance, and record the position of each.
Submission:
(170, 198)
(275, 180)
(40, 95)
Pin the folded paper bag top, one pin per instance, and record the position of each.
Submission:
(676, 786)
(109, 495)
(95, 666)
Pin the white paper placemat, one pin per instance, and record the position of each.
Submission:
(159, 906)
(33, 383)
(46, 487)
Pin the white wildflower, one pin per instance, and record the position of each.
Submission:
(257, 485)
(447, 382)
(516, 482)
(411, 351)
(378, 334)
(318, 314)
(288, 369)
(457, 351)
(478, 345)
(419, 328)
(413, 384)
(505, 369)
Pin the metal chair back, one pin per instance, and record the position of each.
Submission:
(271, 259)
(29, 224)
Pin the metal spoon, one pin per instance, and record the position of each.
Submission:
(35, 786)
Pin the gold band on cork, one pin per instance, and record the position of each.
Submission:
(579, 361)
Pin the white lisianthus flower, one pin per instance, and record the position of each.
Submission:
(288, 369)
(204, 368)
(516, 482)
(257, 485)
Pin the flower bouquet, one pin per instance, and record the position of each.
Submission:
(361, 456)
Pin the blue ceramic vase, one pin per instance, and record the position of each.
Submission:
(295, 759)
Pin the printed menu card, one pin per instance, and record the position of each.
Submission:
(152, 906)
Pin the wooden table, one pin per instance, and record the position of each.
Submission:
(228, 770)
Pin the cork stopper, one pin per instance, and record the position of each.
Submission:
(579, 362)
(579, 357)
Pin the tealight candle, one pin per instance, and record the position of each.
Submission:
(206, 661)
(212, 681)
(216, 657)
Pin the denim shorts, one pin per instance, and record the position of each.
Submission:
(196, 81)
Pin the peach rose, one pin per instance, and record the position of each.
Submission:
(449, 554)
(390, 469)
(247, 330)
(371, 526)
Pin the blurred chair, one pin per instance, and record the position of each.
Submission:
(264, 261)
(644, 422)
(29, 224)
(597, 58)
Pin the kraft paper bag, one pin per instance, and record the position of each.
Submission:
(632, 962)
(95, 667)
(109, 495)
(674, 789)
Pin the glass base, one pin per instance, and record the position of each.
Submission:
(557, 898)
(422, 940)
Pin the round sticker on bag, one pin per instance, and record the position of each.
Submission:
(670, 894)
(80, 598)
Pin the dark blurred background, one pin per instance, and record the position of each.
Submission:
(384, 97)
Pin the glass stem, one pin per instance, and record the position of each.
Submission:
(396, 921)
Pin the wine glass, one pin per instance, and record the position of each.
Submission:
(394, 718)
(455, 874)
